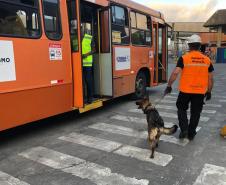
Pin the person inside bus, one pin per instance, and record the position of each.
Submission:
(88, 49)
(196, 83)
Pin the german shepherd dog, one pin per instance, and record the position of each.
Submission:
(155, 124)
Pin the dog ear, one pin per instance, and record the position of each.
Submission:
(146, 96)
(139, 103)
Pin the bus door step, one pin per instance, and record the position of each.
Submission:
(93, 105)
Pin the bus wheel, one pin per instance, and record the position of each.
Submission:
(140, 86)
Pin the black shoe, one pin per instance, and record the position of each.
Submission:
(191, 136)
(90, 100)
(183, 135)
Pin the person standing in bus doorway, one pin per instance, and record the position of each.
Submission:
(88, 49)
(196, 83)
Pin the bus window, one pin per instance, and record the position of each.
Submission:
(120, 25)
(17, 19)
(72, 18)
(141, 29)
(52, 22)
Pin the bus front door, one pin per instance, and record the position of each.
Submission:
(74, 26)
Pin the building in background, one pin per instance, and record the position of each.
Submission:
(212, 32)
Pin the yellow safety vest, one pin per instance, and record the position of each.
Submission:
(87, 48)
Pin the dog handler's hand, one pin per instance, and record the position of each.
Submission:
(168, 90)
(208, 96)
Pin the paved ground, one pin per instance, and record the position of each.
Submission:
(108, 147)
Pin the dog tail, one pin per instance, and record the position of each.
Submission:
(169, 131)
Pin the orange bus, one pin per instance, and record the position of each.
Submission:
(40, 55)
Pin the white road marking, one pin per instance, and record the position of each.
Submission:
(168, 101)
(125, 131)
(211, 175)
(142, 154)
(97, 174)
(134, 119)
(212, 105)
(168, 107)
(173, 93)
(175, 97)
(172, 115)
(206, 105)
(169, 115)
(219, 96)
(6, 179)
(222, 101)
(92, 142)
(141, 121)
(129, 119)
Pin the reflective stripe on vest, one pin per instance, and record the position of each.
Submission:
(194, 77)
(87, 48)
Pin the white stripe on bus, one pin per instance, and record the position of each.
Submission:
(97, 174)
(6, 179)
(211, 174)
(124, 150)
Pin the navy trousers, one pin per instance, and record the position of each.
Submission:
(88, 79)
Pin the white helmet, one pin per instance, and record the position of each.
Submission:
(194, 39)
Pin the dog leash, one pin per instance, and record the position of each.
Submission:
(160, 99)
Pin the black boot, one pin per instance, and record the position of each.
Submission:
(191, 135)
(183, 135)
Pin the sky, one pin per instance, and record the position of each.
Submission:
(185, 10)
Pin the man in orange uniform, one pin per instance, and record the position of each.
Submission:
(196, 83)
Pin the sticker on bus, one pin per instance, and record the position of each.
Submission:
(122, 59)
(116, 37)
(151, 54)
(7, 62)
(55, 52)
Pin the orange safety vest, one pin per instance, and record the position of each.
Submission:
(194, 77)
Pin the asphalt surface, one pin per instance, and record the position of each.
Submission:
(108, 146)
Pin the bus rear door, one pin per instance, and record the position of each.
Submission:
(160, 47)
(104, 86)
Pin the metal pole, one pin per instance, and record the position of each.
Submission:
(219, 36)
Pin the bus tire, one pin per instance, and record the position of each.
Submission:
(140, 86)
